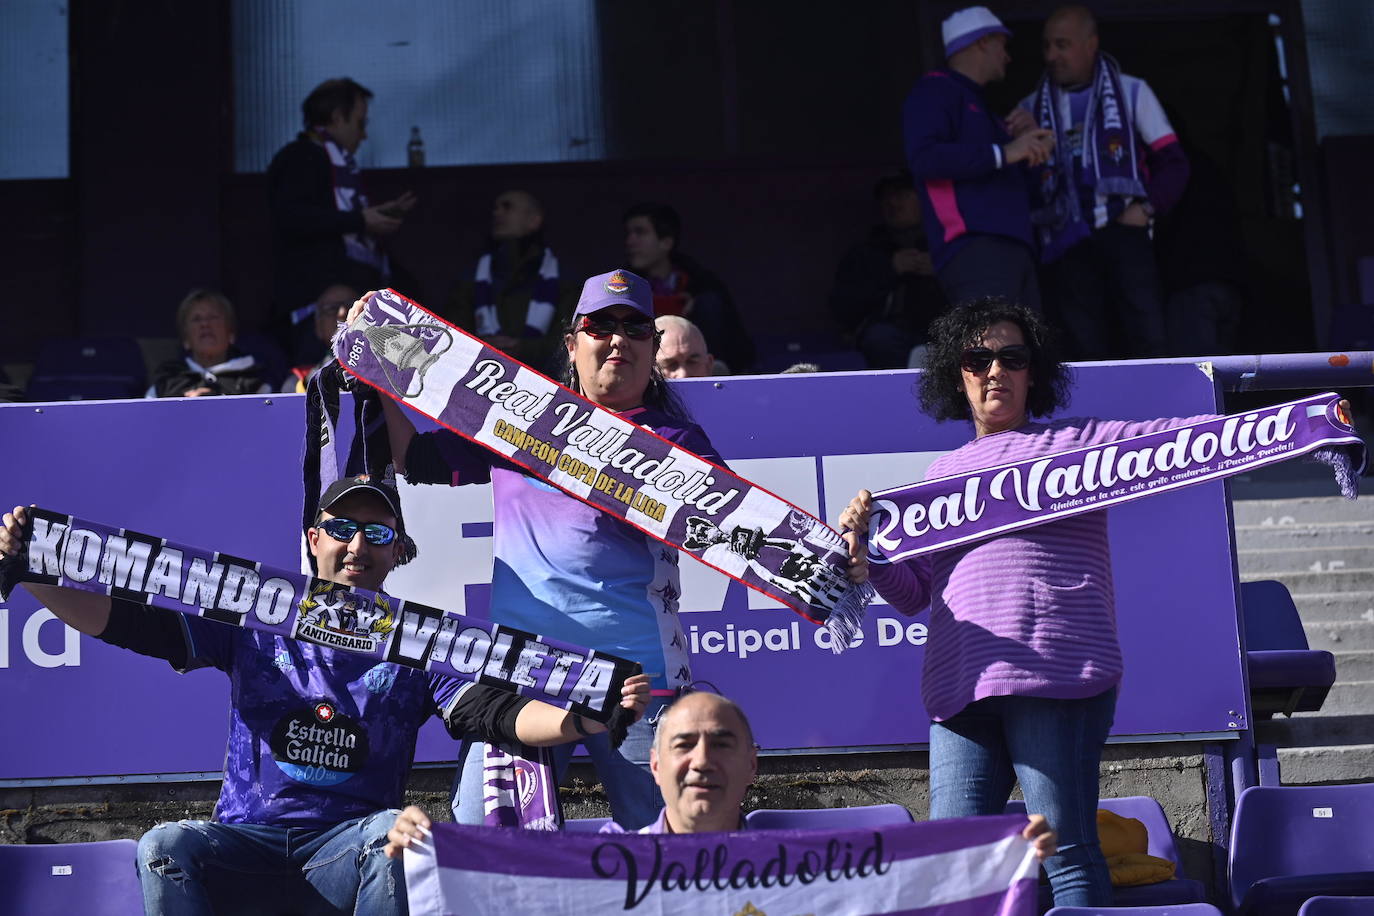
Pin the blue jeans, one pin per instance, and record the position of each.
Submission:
(256, 868)
(1054, 747)
(635, 799)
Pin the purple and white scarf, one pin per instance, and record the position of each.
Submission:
(350, 196)
(937, 514)
(976, 866)
(605, 460)
(71, 552)
(1109, 156)
(538, 315)
(519, 788)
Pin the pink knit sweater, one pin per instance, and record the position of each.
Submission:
(1030, 613)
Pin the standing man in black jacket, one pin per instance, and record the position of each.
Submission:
(324, 229)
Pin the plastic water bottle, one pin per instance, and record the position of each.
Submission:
(415, 150)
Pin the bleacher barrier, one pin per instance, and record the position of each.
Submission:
(1290, 843)
(90, 879)
(1175, 909)
(1337, 906)
(827, 818)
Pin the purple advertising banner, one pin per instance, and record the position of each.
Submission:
(226, 472)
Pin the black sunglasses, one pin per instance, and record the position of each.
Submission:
(635, 327)
(345, 529)
(1012, 358)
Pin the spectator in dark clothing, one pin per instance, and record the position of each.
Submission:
(324, 228)
(325, 315)
(211, 364)
(1116, 166)
(1202, 261)
(682, 286)
(885, 290)
(970, 173)
(515, 299)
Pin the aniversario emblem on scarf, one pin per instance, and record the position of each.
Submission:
(605, 460)
(72, 552)
(920, 518)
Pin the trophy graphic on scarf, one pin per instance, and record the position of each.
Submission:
(406, 347)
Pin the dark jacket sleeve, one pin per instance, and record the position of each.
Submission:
(150, 631)
(863, 281)
(475, 709)
(930, 127)
(301, 195)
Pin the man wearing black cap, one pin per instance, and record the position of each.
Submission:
(321, 741)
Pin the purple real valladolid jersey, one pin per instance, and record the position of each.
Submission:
(316, 736)
(568, 570)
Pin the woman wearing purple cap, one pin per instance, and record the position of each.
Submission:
(569, 571)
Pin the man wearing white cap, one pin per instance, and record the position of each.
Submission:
(969, 171)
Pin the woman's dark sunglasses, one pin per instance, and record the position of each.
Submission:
(635, 328)
(1012, 358)
(345, 529)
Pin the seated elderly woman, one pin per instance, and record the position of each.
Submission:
(211, 364)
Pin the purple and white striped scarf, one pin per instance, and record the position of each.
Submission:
(1109, 155)
(978, 866)
(350, 196)
(605, 460)
(538, 315)
(936, 514)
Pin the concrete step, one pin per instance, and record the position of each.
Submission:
(1306, 582)
(1277, 512)
(1336, 606)
(1272, 561)
(1310, 766)
(1354, 666)
(1316, 730)
(1347, 698)
(1330, 534)
(1340, 636)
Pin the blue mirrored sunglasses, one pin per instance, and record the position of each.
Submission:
(345, 529)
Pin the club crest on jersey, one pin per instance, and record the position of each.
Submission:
(333, 615)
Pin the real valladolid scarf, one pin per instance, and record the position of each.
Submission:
(76, 553)
(349, 196)
(1109, 155)
(538, 314)
(606, 461)
(941, 513)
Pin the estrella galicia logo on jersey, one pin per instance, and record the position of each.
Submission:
(380, 678)
(333, 615)
(319, 745)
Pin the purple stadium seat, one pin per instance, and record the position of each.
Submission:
(1289, 843)
(827, 818)
(64, 879)
(1161, 844)
(1170, 909)
(1285, 675)
(585, 824)
(87, 369)
(1337, 906)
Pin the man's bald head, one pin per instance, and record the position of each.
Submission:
(1070, 45)
(682, 350)
(704, 761)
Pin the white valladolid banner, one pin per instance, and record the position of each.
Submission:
(967, 867)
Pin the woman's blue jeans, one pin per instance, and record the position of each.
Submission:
(1054, 748)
